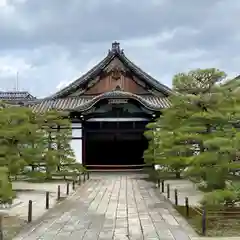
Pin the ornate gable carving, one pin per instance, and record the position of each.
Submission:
(116, 73)
(115, 64)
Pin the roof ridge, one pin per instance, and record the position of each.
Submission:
(82, 79)
(168, 90)
(115, 51)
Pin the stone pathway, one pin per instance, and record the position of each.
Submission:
(112, 206)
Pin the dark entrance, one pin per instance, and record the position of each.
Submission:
(113, 133)
(115, 144)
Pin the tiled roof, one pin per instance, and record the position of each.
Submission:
(83, 103)
(59, 104)
(151, 102)
(114, 52)
(16, 96)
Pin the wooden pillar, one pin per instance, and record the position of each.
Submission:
(83, 144)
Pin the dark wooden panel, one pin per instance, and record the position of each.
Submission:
(117, 152)
(97, 136)
(112, 131)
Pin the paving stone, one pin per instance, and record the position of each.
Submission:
(179, 234)
(165, 234)
(61, 233)
(170, 219)
(112, 206)
(106, 235)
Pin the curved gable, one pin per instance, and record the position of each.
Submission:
(121, 95)
(107, 65)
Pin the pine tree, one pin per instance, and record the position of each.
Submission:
(211, 128)
(199, 129)
(167, 150)
(31, 139)
(16, 131)
(57, 137)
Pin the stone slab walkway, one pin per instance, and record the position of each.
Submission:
(112, 206)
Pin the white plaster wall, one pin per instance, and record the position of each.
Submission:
(76, 144)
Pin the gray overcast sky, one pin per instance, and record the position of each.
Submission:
(52, 42)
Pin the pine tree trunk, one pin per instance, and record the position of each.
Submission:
(48, 173)
(204, 176)
(9, 177)
(178, 175)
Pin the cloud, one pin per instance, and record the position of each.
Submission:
(88, 66)
(51, 43)
(3, 3)
(63, 84)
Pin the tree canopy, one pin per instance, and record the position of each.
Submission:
(32, 139)
(199, 132)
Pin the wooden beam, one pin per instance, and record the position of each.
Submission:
(83, 146)
(115, 130)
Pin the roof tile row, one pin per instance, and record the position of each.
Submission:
(84, 103)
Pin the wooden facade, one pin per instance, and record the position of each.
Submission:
(108, 83)
(110, 106)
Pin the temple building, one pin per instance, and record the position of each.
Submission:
(109, 107)
(16, 97)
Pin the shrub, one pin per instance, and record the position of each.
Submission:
(65, 173)
(202, 186)
(37, 175)
(220, 198)
(235, 187)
